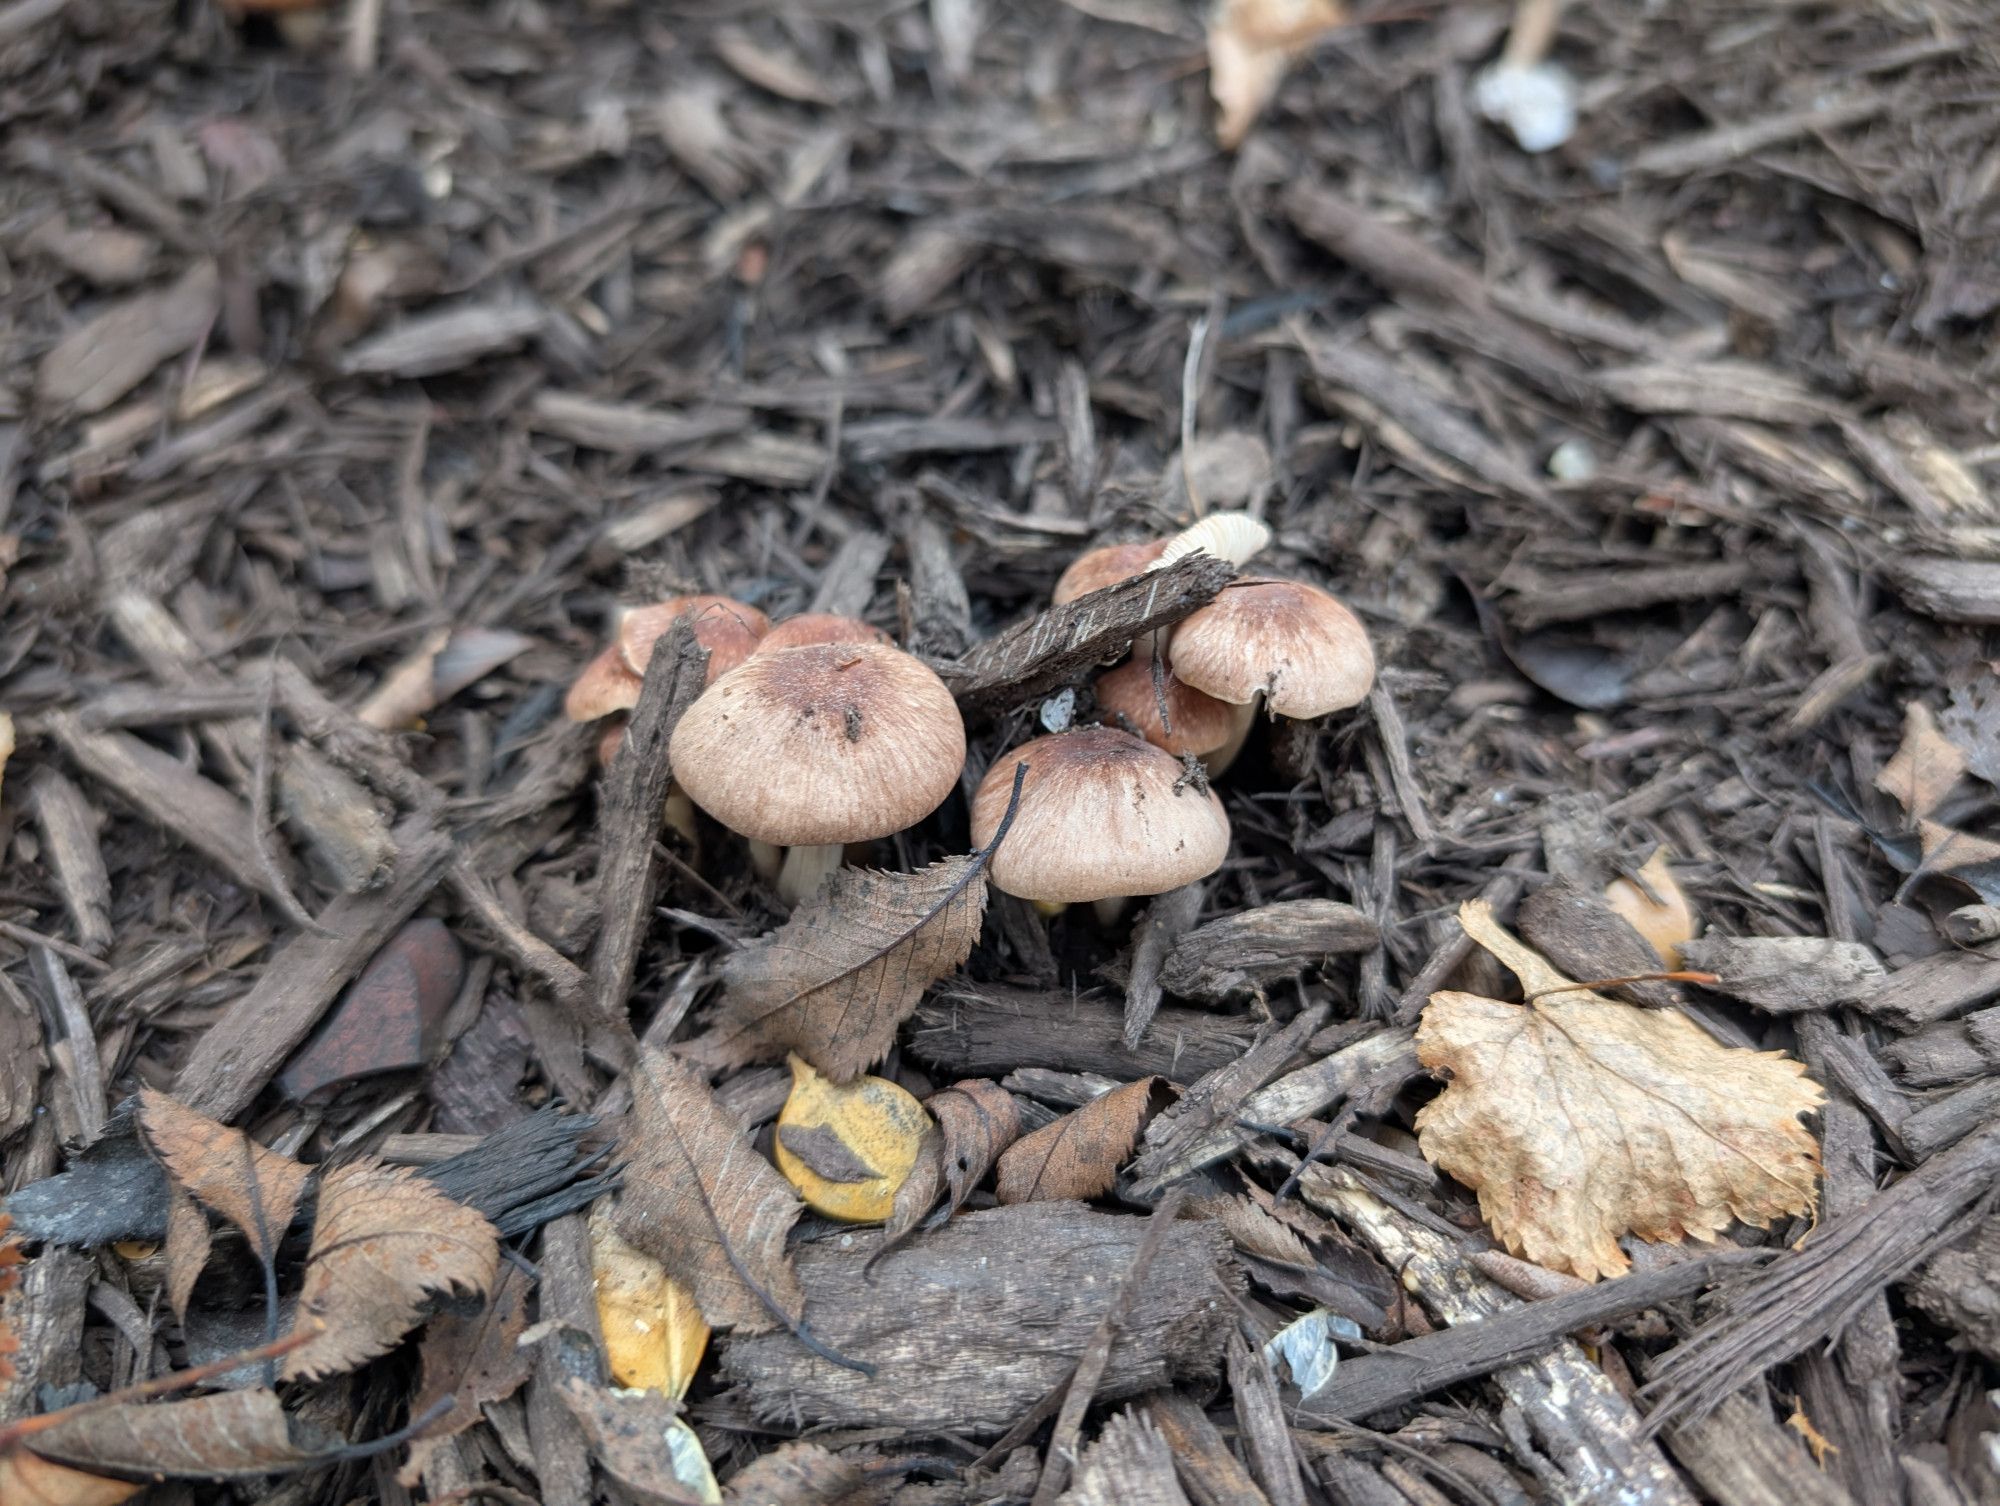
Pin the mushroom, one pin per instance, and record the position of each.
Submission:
(1195, 723)
(1289, 643)
(808, 628)
(1107, 566)
(609, 684)
(811, 748)
(1103, 816)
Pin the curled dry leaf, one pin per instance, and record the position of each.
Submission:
(1949, 853)
(446, 664)
(1250, 45)
(469, 1360)
(848, 1149)
(384, 1241)
(1079, 1155)
(835, 980)
(30, 1480)
(229, 1435)
(188, 1245)
(1664, 917)
(1578, 1119)
(256, 1189)
(699, 1200)
(654, 1335)
(1925, 767)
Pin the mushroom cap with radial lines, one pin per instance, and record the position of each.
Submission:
(838, 742)
(1196, 723)
(1102, 815)
(808, 628)
(1105, 567)
(1305, 652)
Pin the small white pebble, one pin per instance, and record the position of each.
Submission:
(1536, 103)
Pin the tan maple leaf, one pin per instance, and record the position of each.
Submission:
(383, 1242)
(835, 981)
(1577, 1119)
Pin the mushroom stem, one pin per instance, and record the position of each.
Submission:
(1110, 911)
(679, 817)
(1218, 762)
(767, 858)
(805, 869)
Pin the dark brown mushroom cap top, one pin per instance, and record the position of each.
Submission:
(809, 628)
(1196, 723)
(1102, 815)
(839, 742)
(1302, 649)
(728, 629)
(1105, 567)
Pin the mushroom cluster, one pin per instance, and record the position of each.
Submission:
(818, 733)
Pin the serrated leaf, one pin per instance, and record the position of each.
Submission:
(1079, 1155)
(256, 1189)
(384, 1242)
(1578, 1119)
(704, 1204)
(836, 980)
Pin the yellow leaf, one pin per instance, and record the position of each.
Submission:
(653, 1332)
(1578, 1119)
(1666, 921)
(847, 1149)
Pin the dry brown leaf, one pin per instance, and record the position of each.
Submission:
(1577, 1119)
(384, 1241)
(1973, 861)
(976, 1120)
(1925, 767)
(1250, 45)
(231, 1434)
(471, 1360)
(835, 980)
(256, 1189)
(188, 1244)
(1080, 1154)
(699, 1200)
(795, 1474)
(106, 358)
(443, 665)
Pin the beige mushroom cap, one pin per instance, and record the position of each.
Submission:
(605, 686)
(1303, 650)
(1100, 818)
(1105, 567)
(809, 746)
(1196, 723)
(808, 628)
(728, 629)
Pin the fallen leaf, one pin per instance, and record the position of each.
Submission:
(1950, 853)
(1250, 45)
(256, 1189)
(835, 981)
(795, 1474)
(389, 1019)
(469, 1360)
(654, 1335)
(1665, 917)
(638, 1441)
(847, 1148)
(1972, 721)
(975, 1120)
(1925, 767)
(105, 359)
(384, 1241)
(229, 1435)
(1080, 1154)
(188, 1244)
(704, 1204)
(1577, 1119)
